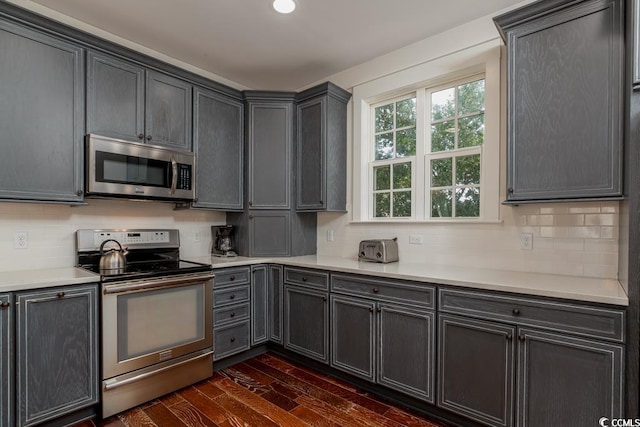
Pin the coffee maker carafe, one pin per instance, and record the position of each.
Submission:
(222, 241)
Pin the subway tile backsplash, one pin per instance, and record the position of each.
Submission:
(577, 239)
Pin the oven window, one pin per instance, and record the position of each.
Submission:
(122, 169)
(157, 320)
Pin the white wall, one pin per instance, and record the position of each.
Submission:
(579, 239)
(51, 228)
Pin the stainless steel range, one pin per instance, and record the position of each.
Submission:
(157, 317)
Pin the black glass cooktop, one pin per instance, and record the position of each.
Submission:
(147, 269)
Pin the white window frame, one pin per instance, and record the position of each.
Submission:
(481, 59)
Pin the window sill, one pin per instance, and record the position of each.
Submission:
(430, 221)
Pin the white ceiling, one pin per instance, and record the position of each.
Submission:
(247, 42)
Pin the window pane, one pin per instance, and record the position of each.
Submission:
(468, 202)
(443, 136)
(402, 204)
(406, 113)
(471, 97)
(441, 172)
(406, 143)
(382, 206)
(402, 175)
(384, 146)
(468, 169)
(382, 178)
(384, 118)
(471, 131)
(441, 203)
(442, 104)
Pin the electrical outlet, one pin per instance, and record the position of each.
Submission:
(20, 240)
(416, 239)
(526, 241)
(330, 235)
(198, 236)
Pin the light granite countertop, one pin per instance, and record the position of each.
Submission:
(605, 291)
(587, 289)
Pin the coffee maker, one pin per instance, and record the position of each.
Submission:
(222, 241)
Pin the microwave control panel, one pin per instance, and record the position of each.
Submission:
(184, 177)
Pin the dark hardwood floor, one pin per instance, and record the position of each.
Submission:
(266, 391)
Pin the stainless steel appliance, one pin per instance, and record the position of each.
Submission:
(378, 250)
(222, 241)
(157, 317)
(118, 168)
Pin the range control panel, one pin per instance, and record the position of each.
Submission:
(126, 238)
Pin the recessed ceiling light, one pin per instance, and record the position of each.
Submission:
(284, 6)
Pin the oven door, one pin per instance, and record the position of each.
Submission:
(145, 322)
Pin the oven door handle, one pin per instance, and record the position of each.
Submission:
(149, 284)
(120, 383)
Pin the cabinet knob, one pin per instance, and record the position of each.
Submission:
(250, 216)
(232, 296)
(521, 338)
(232, 278)
(376, 290)
(232, 315)
(250, 203)
(509, 337)
(60, 294)
(516, 312)
(510, 190)
(324, 299)
(141, 136)
(378, 310)
(79, 192)
(233, 339)
(304, 279)
(5, 304)
(370, 309)
(149, 137)
(321, 202)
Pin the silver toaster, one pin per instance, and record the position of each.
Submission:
(379, 250)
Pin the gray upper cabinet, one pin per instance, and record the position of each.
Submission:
(322, 149)
(564, 125)
(41, 116)
(115, 97)
(259, 290)
(128, 101)
(270, 139)
(56, 352)
(168, 111)
(6, 358)
(218, 141)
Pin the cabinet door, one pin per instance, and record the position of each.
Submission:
(406, 344)
(168, 111)
(41, 116)
(567, 381)
(270, 131)
(565, 124)
(258, 304)
(218, 145)
(352, 336)
(306, 322)
(275, 303)
(311, 155)
(6, 357)
(56, 352)
(269, 233)
(476, 362)
(115, 97)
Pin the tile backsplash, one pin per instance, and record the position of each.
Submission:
(51, 228)
(577, 239)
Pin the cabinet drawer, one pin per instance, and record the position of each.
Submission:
(583, 320)
(231, 277)
(311, 278)
(404, 292)
(230, 340)
(229, 296)
(228, 314)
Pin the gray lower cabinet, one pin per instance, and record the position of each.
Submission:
(306, 322)
(6, 360)
(41, 116)
(275, 303)
(218, 139)
(565, 126)
(56, 352)
(387, 343)
(507, 360)
(232, 309)
(322, 149)
(259, 304)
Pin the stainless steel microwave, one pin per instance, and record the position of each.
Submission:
(118, 168)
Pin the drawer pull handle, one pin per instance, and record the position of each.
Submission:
(233, 339)
(304, 279)
(232, 278)
(232, 296)
(376, 290)
(232, 315)
(516, 312)
(60, 294)
(5, 304)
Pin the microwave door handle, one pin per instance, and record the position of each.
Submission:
(174, 175)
